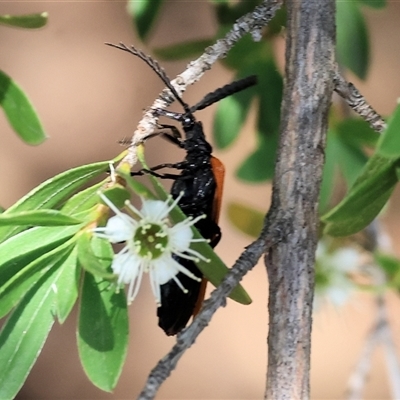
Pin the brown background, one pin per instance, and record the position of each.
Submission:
(89, 96)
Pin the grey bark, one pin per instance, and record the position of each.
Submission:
(309, 83)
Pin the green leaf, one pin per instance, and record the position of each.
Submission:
(344, 151)
(117, 194)
(183, 50)
(103, 332)
(389, 142)
(260, 165)
(67, 285)
(144, 14)
(137, 187)
(246, 219)
(278, 23)
(350, 159)
(19, 111)
(365, 198)
(391, 266)
(352, 38)
(328, 175)
(357, 132)
(270, 89)
(90, 261)
(374, 3)
(231, 114)
(20, 250)
(16, 287)
(247, 54)
(83, 200)
(38, 218)
(30, 21)
(228, 13)
(51, 192)
(24, 334)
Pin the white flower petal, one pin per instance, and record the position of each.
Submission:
(163, 269)
(126, 266)
(345, 259)
(119, 228)
(180, 237)
(154, 210)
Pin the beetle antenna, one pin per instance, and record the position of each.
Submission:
(155, 66)
(223, 92)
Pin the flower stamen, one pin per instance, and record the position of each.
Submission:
(152, 245)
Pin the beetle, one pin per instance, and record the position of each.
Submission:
(200, 183)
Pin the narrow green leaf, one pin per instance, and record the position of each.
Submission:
(15, 288)
(20, 250)
(246, 54)
(67, 285)
(374, 3)
(183, 50)
(260, 165)
(103, 332)
(38, 218)
(357, 132)
(228, 12)
(103, 250)
(117, 194)
(144, 14)
(30, 21)
(231, 114)
(246, 219)
(270, 89)
(83, 200)
(391, 266)
(137, 187)
(365, 198)
(90, 261)
(278, 23)
(350, 159)
(389, 142)
(51, 192)
(352, 38)
(19, 111)
(24, 334)
(328, 175)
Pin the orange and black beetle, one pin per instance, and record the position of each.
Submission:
(201, 182)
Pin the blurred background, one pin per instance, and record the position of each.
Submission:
(90, 96)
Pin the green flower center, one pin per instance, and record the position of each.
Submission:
(150, 240)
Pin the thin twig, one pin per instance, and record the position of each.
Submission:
(358, 103)
(252, 22)
(359, 377)
(380, 333)
(392, 359)
(187, 337)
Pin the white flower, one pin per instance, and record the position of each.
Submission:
(150, 243)
(333, 274)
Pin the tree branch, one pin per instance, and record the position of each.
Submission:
(358, 103)
(309, 75)
(250, 23)
(379, 334)
(187, 337)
